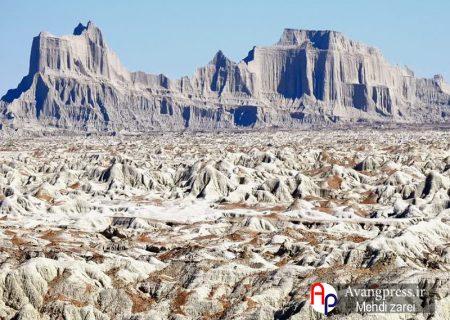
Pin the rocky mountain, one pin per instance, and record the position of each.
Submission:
(76, 82)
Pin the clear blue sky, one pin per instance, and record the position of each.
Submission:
(176, 37)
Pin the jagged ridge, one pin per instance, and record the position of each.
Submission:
(77, 82)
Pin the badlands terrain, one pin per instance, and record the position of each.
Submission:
(219, 225)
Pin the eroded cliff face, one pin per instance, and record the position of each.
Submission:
(77, 82)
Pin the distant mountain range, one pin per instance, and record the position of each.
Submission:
(77, 83)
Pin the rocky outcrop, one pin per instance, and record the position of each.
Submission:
(76, 82)
(221, 225)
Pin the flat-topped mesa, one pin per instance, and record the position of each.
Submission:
(296, 37)
(328, 67)
(84, 53)
(323, 40)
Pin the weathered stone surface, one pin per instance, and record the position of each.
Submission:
(76, 82)
(232, 225)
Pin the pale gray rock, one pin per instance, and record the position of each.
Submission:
(85, 236)
(27, 312)
(76, 82)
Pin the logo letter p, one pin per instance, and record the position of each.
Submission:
(328, 304)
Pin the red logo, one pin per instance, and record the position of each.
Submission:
(323, 297)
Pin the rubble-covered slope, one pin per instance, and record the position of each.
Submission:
(219, 226)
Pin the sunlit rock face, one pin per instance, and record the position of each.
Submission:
(77, 82)
(225, 225)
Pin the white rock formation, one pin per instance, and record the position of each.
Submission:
(219, 225)
(76, 82)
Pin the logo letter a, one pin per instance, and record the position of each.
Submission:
(314, 293)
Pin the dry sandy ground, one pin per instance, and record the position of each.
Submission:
(218, 226)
